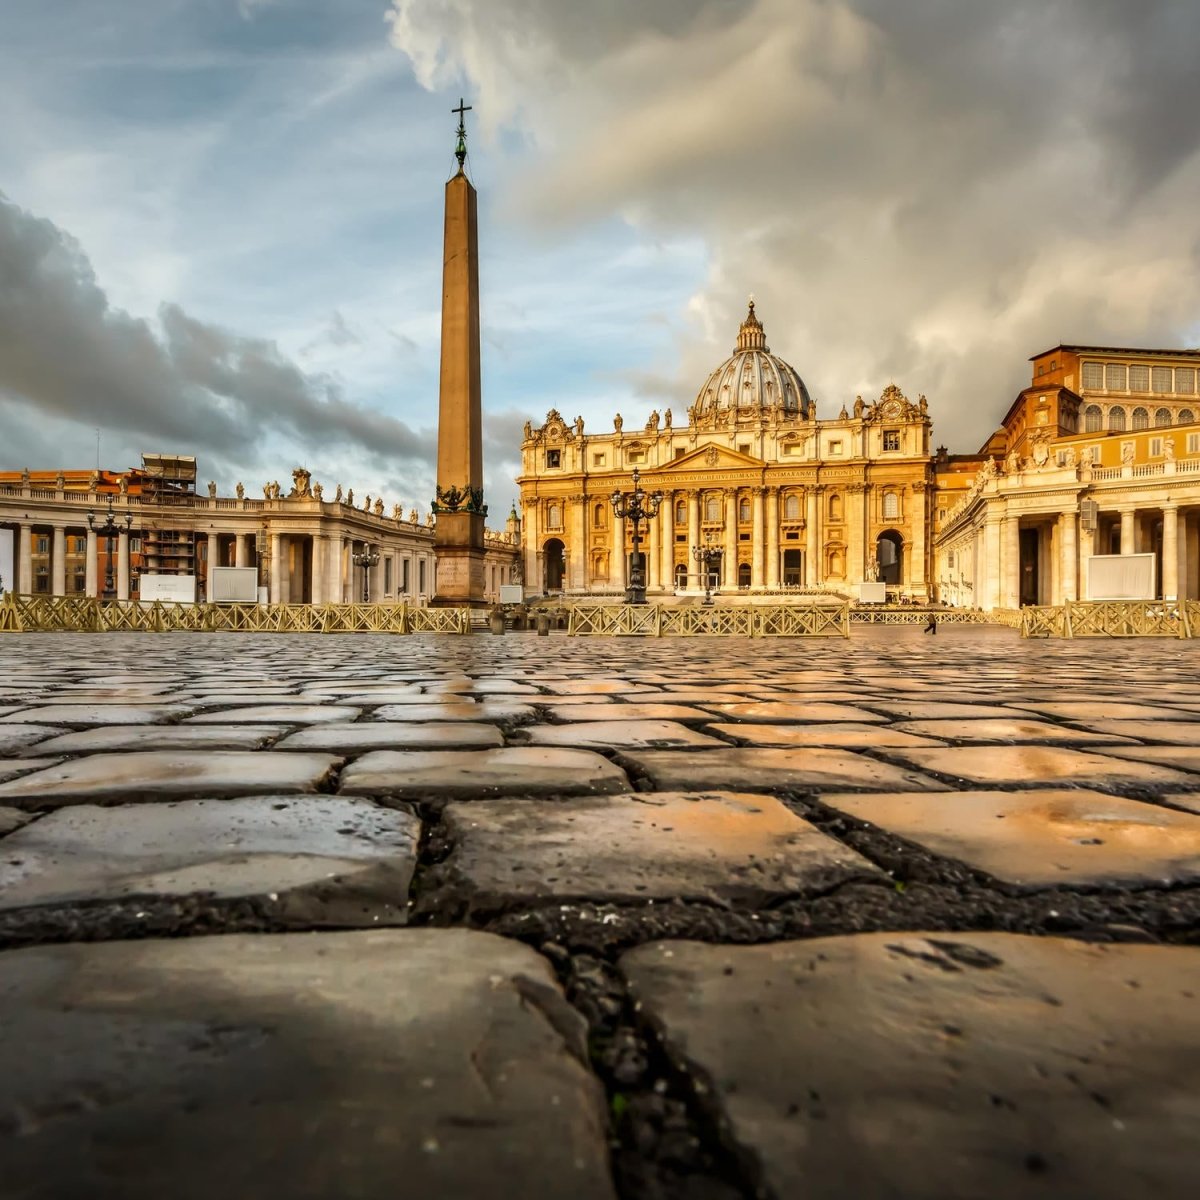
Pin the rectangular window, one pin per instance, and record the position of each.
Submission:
(1139, 378)
(405, 564)
(1161, 379)
(1185, 381)
(388, 573)
(636, 456)
(1156, 447)
(794, 448)
(421, 576)
(1193, 443)
(598, 460)
(41, 580)
(43, 545)
(1093, 376)
(135, 545)
(744, 448)
(1114, 377)
(680, 451)
(553, 458)
(80, 545)
(950, 560)
(835, 448)
(891, 439)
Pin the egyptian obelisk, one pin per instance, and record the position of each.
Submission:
(459, 508)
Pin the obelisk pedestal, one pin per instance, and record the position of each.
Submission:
(459, 508)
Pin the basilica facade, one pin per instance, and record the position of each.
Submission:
(793, 503)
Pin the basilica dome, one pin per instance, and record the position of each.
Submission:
(753, 378)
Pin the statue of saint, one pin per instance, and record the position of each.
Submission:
(318, 492)
(579, 427)
(529, 431)
(667, 419)
(123, 485)
(212, 489)
(240, 490)
(618, 423)
(349, 496)
(1127, 454)
(337, 496)
(379, 506)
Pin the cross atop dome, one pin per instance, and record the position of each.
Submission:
(751, 335)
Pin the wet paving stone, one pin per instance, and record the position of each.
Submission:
(168, 775)
(1009, 729)
(15, 737)
(1033, 764)
(162, 737)
(1090, 710)
(278, 714)
(11, 768)
(1179, 733)
(630, 712)
(308, 861)
(616, 734)
(846, 735)
(513, 770)
(12, 818)
(98, 713)
(393, 735)
(709, 846)
(303, 1065)
(771, 711)
(1046, 838)
(484, 710)
(928, 1066)
(775, 769)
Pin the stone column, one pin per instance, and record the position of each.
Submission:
(694, 568)
(773, 537)
(1128, 531)
(317, 568)
(1087, 547)
(812, 551)
(1012, 563)
(577, 558)
(241, 550)
(25, 559)
(92, 574)
(276, 581)
(653, 549)
(1068, 556)
(214, 556)
(855, 532)
(758, 548)
(1170, 552)
(991, 594)
(58, 561)
(618, 570)
(918, 525)
(376, 574)
(123, 565)
(730, 573)
(666, 520)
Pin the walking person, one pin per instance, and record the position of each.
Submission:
(931, 624)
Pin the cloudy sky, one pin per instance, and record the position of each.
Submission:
(220, 220)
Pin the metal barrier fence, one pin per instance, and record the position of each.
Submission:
(919, 615)
(1113, 618)
(85, 614)
(655, 620)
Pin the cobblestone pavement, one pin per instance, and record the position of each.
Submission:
(309, 916)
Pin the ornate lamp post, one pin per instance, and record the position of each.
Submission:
(636, 506)
(108, 529)
(366, 558)
(709, 558)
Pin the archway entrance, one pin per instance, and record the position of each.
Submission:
(793, 568)
(554, 558)
(889, 553)
(743, 575)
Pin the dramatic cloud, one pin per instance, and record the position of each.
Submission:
(177, 383)
(928, 192)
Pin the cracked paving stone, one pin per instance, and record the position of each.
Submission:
(16, 737)
(935, 710)
(618, 734)
(1180, 733)
(388, 735)
(462, 710)
(1009, 729)
(313, 860)
(168, 775)
(12, 768)
(163, 737)
(513, 770)
(1090, 710)
(432, 1063)
(1050, 838)
(1185, 758)
(771, 711)
(925, 1065)
(630, 712)
(282, 714)
(708, 846)
(771, 769)
(846, 735)
(99, 714)
(12, 818)
(1032, 764)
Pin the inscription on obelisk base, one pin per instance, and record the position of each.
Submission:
(459, 509)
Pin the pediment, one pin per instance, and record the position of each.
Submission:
(711, 457)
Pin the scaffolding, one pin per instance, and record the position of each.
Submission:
(169, 481)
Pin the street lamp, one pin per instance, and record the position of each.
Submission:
(636, 506)
(709, 558)
(107, 530)
(366, 558)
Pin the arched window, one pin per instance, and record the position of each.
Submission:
(1141, 419)
(791, 507)
(835, 507)
(681, 575)
(712, 508)
(743, 575)
(554, 516)
(1116, 417)
(681, 512)
(600, 516)
(891, 506)
(1162, 416)
(744, 511)
(1092, 419)
(1186, 416)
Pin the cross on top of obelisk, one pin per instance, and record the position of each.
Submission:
(460, 151)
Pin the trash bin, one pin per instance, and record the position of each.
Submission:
(496, 620)
(543, 624)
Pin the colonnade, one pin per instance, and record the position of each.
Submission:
(56, 534)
